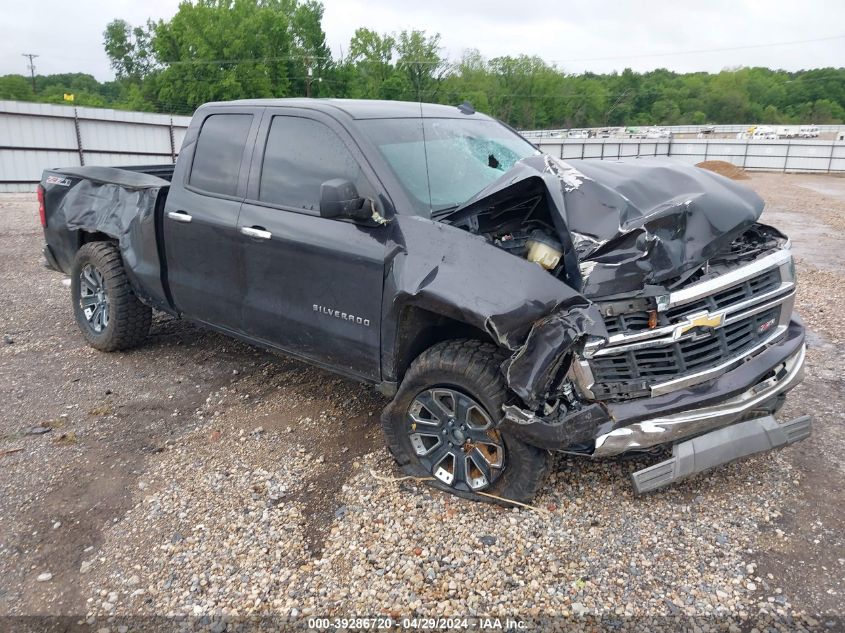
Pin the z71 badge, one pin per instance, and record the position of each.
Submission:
(58, 180)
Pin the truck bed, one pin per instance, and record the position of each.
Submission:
(109, 201)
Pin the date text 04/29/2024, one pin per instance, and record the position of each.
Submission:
(415, 623)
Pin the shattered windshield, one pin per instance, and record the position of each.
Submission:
(442, 163)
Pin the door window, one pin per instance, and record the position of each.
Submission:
(301, 155)
(217, 157)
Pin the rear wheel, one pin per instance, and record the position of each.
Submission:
(442, 425)
(108, 313)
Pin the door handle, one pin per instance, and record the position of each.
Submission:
(256, 232)
(179, 216)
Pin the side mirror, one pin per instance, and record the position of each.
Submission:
(339, 199)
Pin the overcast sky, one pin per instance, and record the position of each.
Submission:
(599, 36)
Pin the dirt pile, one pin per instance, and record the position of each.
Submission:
(724, 168)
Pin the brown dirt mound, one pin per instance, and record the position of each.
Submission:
(724, 168)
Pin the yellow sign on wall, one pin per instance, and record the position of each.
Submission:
(68, 97)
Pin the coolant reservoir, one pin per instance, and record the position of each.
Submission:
(544, 251)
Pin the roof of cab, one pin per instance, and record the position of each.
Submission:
(362, 108)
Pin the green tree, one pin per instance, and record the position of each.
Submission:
(420, 61)
(371, 55)
(129, 49)
(16, 87)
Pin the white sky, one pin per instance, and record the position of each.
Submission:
(599, 36)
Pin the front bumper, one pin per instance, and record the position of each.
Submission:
(721, 446)
(750, 390)
(678, 426)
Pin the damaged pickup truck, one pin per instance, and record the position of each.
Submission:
(510, 303)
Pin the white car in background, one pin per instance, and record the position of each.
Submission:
(577, 134)
(808, 131)
(764, 132)
(658, 133)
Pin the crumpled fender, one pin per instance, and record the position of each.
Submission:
(111, 201)
(119, 203)
(454, 273)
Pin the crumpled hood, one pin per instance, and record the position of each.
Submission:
(632, 223)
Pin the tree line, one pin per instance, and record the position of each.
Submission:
(217, 50)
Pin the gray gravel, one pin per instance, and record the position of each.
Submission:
(216, 480)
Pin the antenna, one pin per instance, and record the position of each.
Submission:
(31, 67)
(425, 154)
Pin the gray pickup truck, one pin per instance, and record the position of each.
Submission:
(510, 303)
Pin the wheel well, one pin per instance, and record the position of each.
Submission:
(419, 329)
(93, 236)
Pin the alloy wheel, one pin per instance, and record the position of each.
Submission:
(454, 439)
(93, 298)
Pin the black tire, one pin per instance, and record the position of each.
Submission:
(127, 320)
(471, 368)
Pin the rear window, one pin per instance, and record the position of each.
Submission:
(217, 157)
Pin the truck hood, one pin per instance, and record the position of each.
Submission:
(632, 226)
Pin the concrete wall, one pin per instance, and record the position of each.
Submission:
(765, 155)
(35, 136)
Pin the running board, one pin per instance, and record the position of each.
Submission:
(721, 446)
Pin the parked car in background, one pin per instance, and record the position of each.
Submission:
(808, 131)
(609, 132)
(577, 134)
(658, 133)
(764, 132)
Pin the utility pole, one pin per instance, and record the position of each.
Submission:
(309, 77)
(31, 57)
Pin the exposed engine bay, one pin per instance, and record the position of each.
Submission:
(627, 236)
(523, 229)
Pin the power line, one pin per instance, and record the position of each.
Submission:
(698, 51)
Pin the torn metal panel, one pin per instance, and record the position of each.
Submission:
(565, 428)
(110, 201)
(545, 355)
(459, 275)
(626, 224)
(118, 203)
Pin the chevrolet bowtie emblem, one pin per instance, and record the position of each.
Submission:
(706, 320)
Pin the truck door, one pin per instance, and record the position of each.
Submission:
(312, 286)
(201, 242)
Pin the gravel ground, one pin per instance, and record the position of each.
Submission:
(198, 477)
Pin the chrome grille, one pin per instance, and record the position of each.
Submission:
(638, 321)
(678, 359)
(753, 303)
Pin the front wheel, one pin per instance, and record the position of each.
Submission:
(442, 425)
(107, 311)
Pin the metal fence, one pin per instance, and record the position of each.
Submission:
(732, 128)
(764, 155)
(35, 136)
